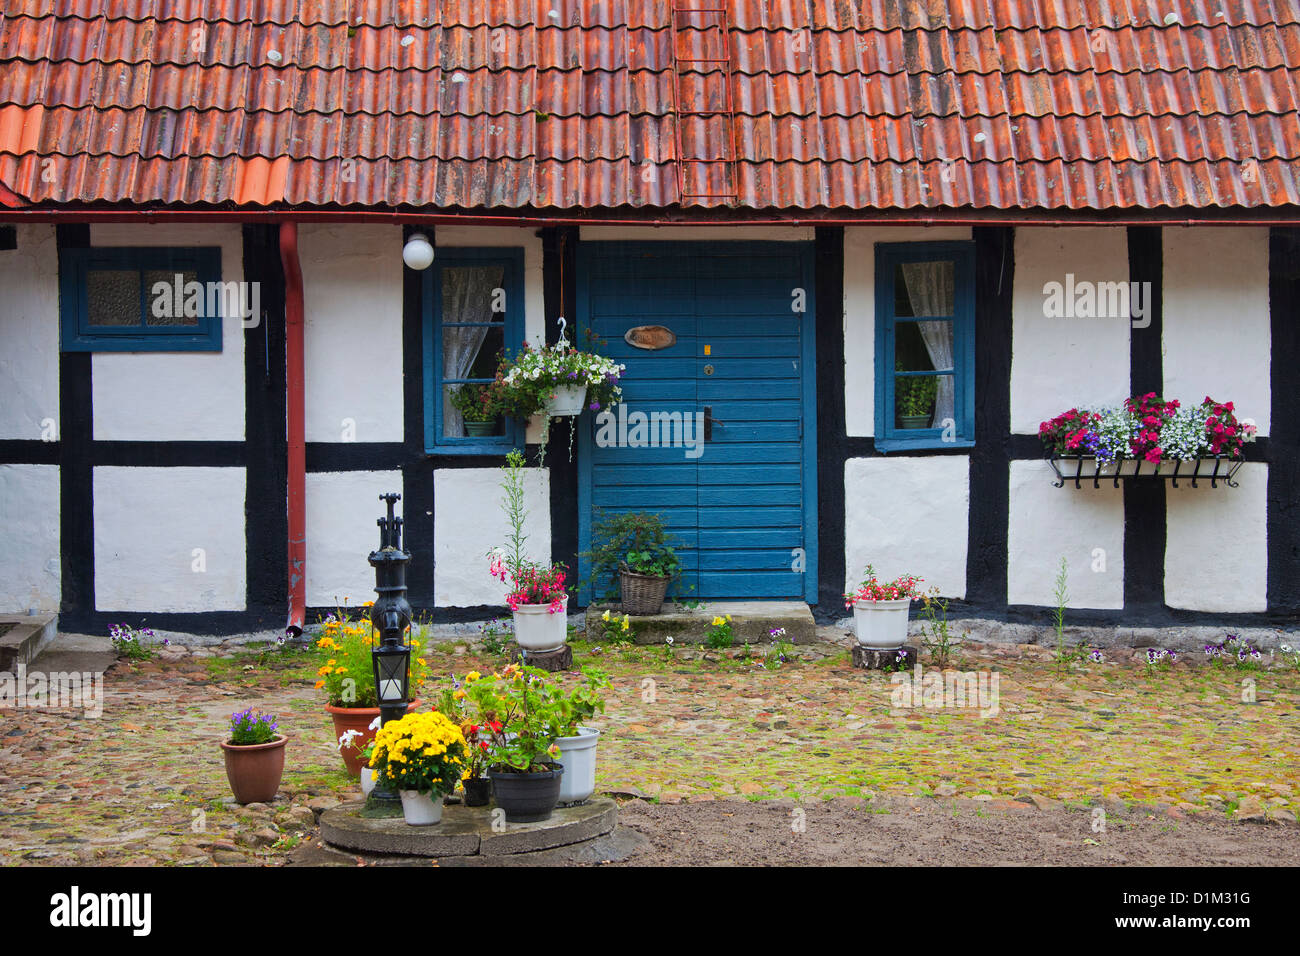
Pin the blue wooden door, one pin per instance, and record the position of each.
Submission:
(740, 502)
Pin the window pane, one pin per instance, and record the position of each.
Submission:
(471, 351)
(165, 300)
(473, 294)
(113, 297)
(466, 421)
(924, 289)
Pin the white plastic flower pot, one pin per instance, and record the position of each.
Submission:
(881, 625)
(367, 781)
(568, 400)
(537, 629)
(421, 809)
(578, 754)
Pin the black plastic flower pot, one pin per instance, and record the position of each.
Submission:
(478, 791)
(527, 797)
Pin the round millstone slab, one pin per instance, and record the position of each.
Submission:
(466, 831)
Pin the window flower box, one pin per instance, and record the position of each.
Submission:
(1147, 438)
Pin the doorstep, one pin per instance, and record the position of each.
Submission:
(750, 621)
(24, 636)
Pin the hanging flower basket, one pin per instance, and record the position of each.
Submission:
(567, 400)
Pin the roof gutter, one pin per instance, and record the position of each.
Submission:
(295, 426)
(883, 217)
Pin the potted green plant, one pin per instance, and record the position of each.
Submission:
(520, 715)
(577, 742)
(635, 548)
(346, 674)
(422, 757)
(537, 597)
(914, 399)
(481, 405)
(254, 756)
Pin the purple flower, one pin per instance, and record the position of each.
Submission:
(594, 406)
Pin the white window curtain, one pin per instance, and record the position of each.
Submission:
(466, 297)
(930, 292)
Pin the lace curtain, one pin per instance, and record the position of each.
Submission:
(930, 292)
(466, 297)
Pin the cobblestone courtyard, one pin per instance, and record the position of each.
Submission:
(145, 783)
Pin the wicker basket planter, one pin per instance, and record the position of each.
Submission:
(643, 593)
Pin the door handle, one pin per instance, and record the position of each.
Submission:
(708, 422)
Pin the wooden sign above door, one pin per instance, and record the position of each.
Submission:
(650, 337)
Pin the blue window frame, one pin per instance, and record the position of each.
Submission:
(473, 309)
(925, 345)
(141, 299)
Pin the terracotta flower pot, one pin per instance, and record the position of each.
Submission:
(358, 719)
(254, 770)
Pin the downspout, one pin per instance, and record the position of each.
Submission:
(295, 426)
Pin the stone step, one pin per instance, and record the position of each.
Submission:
(751, 622)
(24, 636)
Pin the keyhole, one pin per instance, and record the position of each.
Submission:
(708, 370)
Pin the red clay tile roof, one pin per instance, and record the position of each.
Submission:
(536, 104)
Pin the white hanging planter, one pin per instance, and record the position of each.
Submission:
(421, 809)
(568, 400)
(881, 625)
(537, 629)
(578, 754)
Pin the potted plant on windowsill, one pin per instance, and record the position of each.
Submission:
(254, 756)
(422, 757)
(537, 597)
(346, 674)
(481, 406)
(880, 609)
(577, 742)
(634, 548)
(520, 713)
(914, 397)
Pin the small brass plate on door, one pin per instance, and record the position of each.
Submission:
(650, 337)
(708, 370)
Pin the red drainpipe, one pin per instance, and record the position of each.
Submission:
(295, 422)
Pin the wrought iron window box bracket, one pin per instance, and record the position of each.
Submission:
(1081, 468)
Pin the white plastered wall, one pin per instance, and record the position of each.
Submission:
(1083, 525)
(29, 525)
(860, 313)
(352, 300)
(468, 523)
(1216, 544)
(1057, 362)
(1217, 342)
(29, 336)
(908, 515)
(169, 539)
(342, 508)
(1217, 338)
(173, 396)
